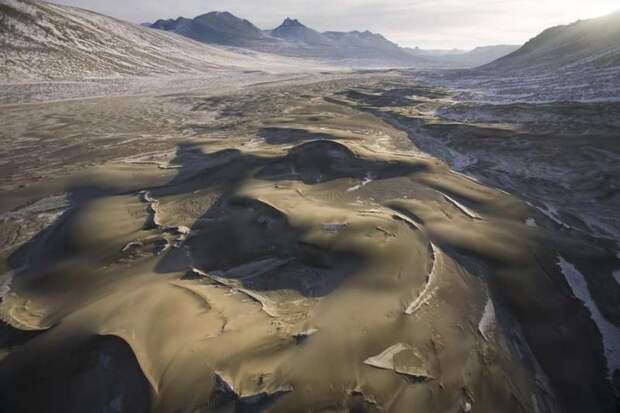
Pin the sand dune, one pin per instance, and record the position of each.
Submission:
(221, 260)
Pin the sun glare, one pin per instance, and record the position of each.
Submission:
(587, 10)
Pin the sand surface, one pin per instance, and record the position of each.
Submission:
(292, 247)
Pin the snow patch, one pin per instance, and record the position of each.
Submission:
(52, 206)
(5, 283)
(487, 322)
(467, 211)
(616, 275)
(429, 289)
(400, 358)
(552, 212)
(609, 332)
(368, 179)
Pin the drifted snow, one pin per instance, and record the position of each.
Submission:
(488, 319)
(609, 332)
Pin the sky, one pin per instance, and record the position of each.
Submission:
(428, 24)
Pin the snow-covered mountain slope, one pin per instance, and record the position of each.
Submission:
(587, 44)
(42, 41)
(579, 62)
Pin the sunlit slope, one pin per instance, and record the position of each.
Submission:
(46, 41)
(593, 44)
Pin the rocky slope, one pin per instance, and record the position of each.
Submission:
(47, 41)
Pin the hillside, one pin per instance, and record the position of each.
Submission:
(463, 58)
(593, 44)
(293, 31)
(578, 62)
(47, 41)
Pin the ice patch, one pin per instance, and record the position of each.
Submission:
(52, 206)
(552, 212)
(467, 211)
(429, 289)
(368, 179)
(252, 395)
(609, 332)
(269, 306)
(303, 335)
(5, 283)
(400, 358)
(385, 360)
(488, 319)
(600, 228)
(616, 275)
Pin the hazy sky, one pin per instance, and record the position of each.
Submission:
(425, 23)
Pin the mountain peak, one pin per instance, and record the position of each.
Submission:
(221, 13)
(293, 30)
(290, 23)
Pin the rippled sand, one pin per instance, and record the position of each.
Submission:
(281, 249)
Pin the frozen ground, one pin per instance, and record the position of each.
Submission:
(214, 82)
(574, 85)
(291, 232)
(560, 156)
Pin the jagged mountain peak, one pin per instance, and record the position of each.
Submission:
(224, 17)
(293, 30)
(288, 22)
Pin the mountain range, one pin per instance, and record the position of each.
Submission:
(48, 41)
(292, 38)
(44, 41)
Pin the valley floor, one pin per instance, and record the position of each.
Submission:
(324, 242)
